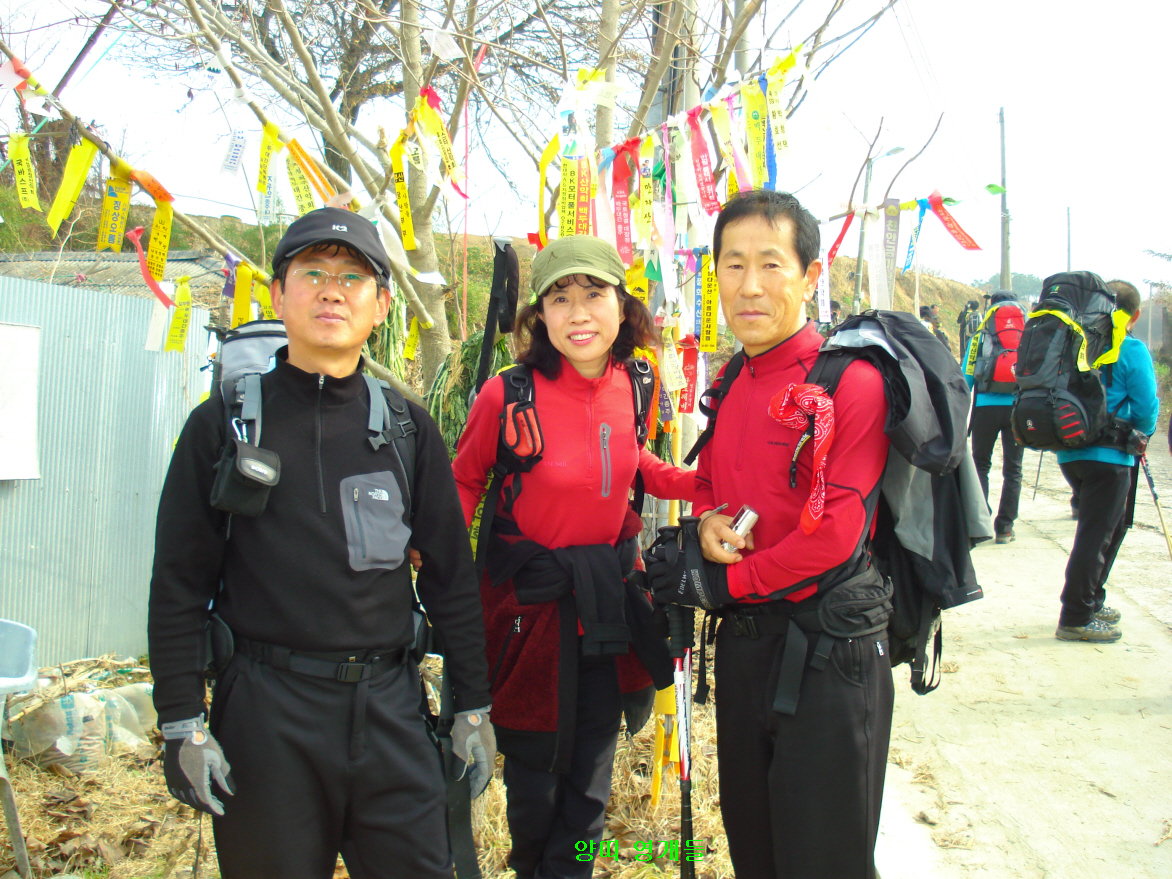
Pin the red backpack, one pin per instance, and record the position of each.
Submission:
(992, 355)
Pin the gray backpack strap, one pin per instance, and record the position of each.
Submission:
(250, 405)
(380, 413)
(390, 422)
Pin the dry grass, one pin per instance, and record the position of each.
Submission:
(119, 822)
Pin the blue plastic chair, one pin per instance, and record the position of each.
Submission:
(18, 672)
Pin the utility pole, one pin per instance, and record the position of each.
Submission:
(1006, 276)
(858, 307)
(1068, 239)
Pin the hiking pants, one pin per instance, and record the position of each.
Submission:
(800, 795)
(990, 422)
(549, 812)
(318, 773)
(1106, 506)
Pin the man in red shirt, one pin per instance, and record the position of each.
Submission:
(803, 701)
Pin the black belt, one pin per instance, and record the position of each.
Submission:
(349, 667)
(753, 623)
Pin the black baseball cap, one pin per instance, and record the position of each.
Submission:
(335, 226)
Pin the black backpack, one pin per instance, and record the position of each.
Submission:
(928, 404)
(1061, 402)
(521, 444)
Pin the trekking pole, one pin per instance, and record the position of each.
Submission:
(681, 637)
(1156, 498)
(1038, 478)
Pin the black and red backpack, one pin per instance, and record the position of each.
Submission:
(992, 352)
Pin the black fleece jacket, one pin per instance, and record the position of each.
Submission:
(287, 575)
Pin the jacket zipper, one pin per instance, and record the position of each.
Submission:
(604, 444)
(516, 628)
(321, 482)
(745, 421)
(358, 519)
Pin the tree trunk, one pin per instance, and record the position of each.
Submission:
(608, 32)
(434, 344)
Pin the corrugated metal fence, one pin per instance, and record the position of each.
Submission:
(76, 544)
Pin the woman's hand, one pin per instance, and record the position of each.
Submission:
(715, 528)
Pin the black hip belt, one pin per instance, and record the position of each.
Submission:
(857, 607)
(349, 667)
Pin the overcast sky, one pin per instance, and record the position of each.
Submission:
(1084, 86)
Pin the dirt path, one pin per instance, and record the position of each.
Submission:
(1037, 757)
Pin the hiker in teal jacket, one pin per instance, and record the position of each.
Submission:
(1105, 478)
(990, 420)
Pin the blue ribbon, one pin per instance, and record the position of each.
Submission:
(770, 154)
(911, 247)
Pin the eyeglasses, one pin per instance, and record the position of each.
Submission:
(316, 279)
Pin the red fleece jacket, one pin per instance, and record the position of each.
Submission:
(576, 496)
(748, 462)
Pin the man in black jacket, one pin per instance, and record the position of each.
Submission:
(318, 708)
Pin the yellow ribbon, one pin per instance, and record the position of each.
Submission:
(270, 145)
(242, 301)
(775, 100)
(265, 300)
(644, 218)
(435, 128)
(756, 120)
(709, 302)
(115, 208)
(77, 167)
(299, 183)
(401, 195)
(325, 191)
(547, 156)
(637, 284)
(160, 240)
(412, 345)
(26, 176)
(181, 317)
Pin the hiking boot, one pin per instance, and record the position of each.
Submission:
(1007, 537)
(1096, 630)
(1108, 615)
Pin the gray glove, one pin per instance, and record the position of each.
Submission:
(474, 742)
(192, 759)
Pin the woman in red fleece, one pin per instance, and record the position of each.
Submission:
(567, 637)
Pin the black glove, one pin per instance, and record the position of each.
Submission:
(192, 759)
(679, 574)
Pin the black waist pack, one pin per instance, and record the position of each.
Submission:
(244, 476)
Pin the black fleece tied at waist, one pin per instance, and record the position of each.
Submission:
(594, 574)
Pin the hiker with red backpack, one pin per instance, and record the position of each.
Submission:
(544, 468)
(990, 369)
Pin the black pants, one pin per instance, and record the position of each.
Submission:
(303, 796)
(1106, 495)
(549, 812)
(801, 795)
(990, 422)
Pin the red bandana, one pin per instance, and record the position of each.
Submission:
(803, 406)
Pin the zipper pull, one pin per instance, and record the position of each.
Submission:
(355, 495)
(321, 381)
(517, 625)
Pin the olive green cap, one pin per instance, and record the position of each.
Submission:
(574, 255)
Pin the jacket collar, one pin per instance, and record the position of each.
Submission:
(574, 383)
(800, 346)
(304, 386)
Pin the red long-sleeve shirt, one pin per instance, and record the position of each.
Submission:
(748, 462)
(577, 494)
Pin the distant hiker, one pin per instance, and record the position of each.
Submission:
(835, 312)
(552, 449)
(1104, 477)
(802, 734)
(926, 317)
(968, 321)
(316, 705)
(989, 366)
